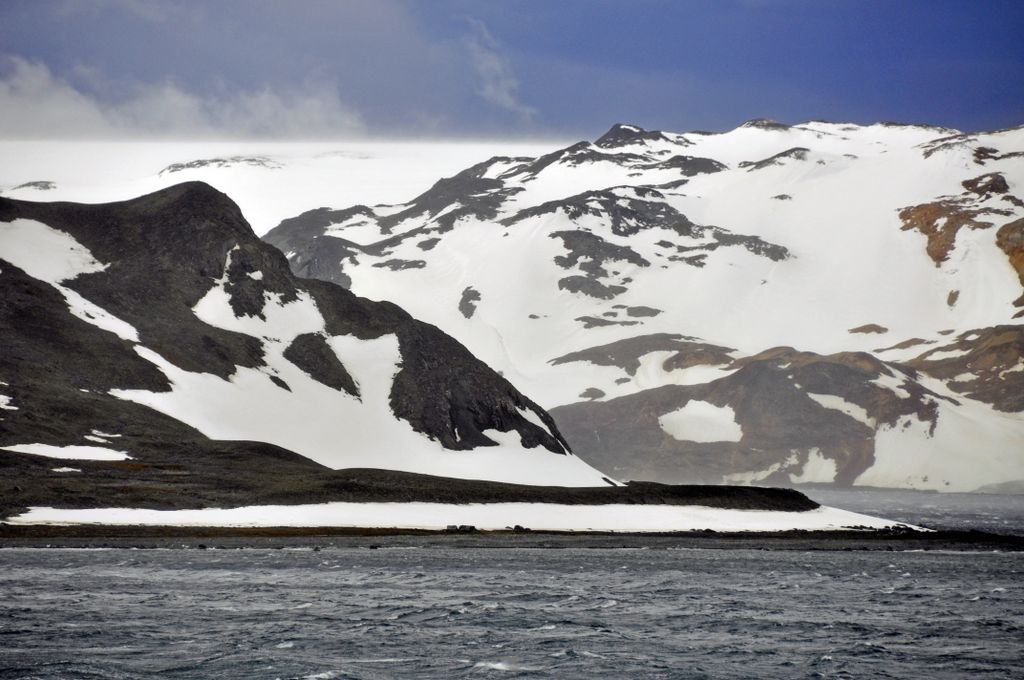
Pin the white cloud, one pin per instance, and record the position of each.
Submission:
(498, 83)
(36, 104)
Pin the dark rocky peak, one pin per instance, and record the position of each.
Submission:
(201, 163)
(578, 154)
(164, 252)
(295, 233)
(38, 185)
(765, 124)
(185, 230)
(689, 166)
(622, 134)
(474, 195)
(467, 194)
(630, 210)
(797, 153)
(626, 214)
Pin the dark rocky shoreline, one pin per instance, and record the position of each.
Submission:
(315, 538)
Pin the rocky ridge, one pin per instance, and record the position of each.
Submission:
(157, 354)
(825, 296)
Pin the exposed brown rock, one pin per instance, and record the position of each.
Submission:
(698, 354)
(597, 322)
(781, 425)
(985, 153)
(953, 296)
(869, 328)
(904, 345)
(626, 354)
(1010, 239)
(985, 185)
(993, 358)
(940, 221)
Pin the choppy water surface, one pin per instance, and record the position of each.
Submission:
(437, 611)
(996, 513)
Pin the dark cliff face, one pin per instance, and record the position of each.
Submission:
(769, 395)
(164, 252)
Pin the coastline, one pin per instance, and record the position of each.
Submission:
(313, 538)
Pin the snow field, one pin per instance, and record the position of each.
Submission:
(326, 425)
(74, 452)
(484, 516)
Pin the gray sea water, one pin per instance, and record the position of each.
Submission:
(995, 513)
(474, 612)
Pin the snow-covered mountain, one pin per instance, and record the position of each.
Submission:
(145, 341)
(812, 303)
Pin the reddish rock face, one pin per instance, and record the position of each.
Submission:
(1010, 238)
(984, 370)
(941, 220)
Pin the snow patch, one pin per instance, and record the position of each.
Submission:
(892, 383)
(817, 470)
(531, 416)
(282, 321)
(338, 430)
(484, 516)
(74, 452)
(45, 253)
(701, 421)
(837, 403)
(54, 256)
(909, 455)
(509, 439)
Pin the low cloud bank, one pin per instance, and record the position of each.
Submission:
(36, 104)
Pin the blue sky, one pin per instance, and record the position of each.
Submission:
(530, 68)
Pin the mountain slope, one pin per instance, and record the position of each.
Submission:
(156, 353)
(873, 256)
